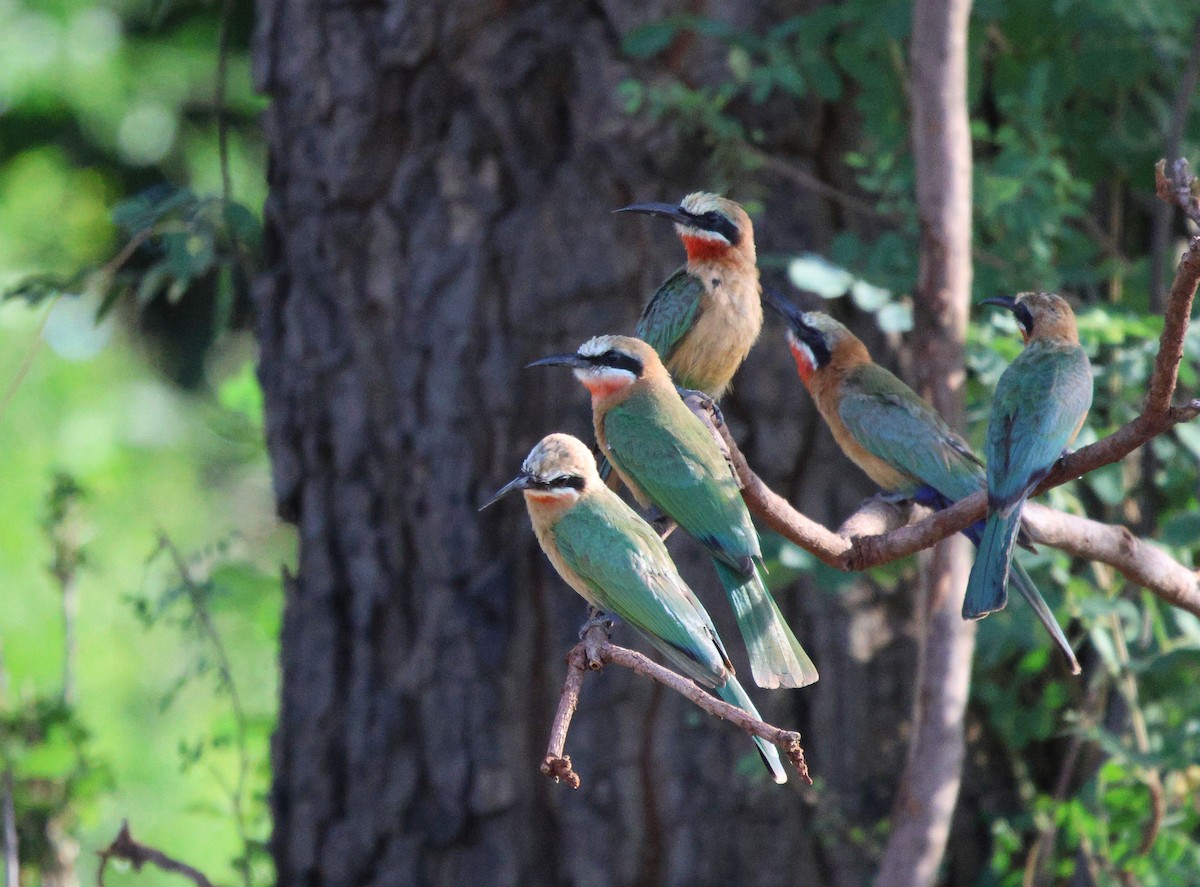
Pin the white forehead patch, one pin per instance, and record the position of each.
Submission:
(700, 203)
(596, 346)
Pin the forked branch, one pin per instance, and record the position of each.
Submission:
(137, 854)
(595, 651)
(895, 533)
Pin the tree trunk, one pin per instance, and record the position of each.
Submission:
(441, 180)
(942, 151)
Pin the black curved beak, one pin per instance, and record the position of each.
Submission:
(560, 360)
(663, 211)
(520, 482)
(1020, 311)
(781, 306)
(794, 316)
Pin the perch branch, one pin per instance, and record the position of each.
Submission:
(595, 651)
(890, 535)
(138, 854)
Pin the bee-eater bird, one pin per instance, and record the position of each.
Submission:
(668, 458)
(617, 563)
(704, 319)
(890, 432)
(1039, 406)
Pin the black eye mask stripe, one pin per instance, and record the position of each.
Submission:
(563, 481)
(718, 224)
(617, 360)
(1024, 317)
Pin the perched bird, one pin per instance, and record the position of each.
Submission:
(1039, 406)
(668, 459)
(890, 432)
(704, 319)
(617, 563)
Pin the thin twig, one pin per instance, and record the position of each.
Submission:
(1090, 713)
(225, 670)
(1160, 232)
(1127, 684)
(138, 854)
(595, 651)
(26, 362)
(12, 855)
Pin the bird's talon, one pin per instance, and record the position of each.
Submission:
(699, 401)
(596, 619)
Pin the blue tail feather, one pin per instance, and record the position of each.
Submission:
(1029, 591)
(987, 588)
(733, 693)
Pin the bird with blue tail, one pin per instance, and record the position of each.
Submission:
(889, 431)
(1040, 404)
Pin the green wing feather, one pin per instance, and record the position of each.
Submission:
(670, 312)
(631, 576)
(1039, 404)
(659, 442)
(892, 423)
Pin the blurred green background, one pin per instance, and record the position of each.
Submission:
(134, 473)
(160, 429)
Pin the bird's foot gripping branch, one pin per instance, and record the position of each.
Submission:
(594, 651)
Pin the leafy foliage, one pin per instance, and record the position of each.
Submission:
(1070, 106)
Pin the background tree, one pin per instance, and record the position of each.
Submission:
(482, 208)
(441, 180)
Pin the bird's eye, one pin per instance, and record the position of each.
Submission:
(619, 360)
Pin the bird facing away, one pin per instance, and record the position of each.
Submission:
(1039, 406)
(668, 459)
(617, 563)
(890, 432)
(705, 318)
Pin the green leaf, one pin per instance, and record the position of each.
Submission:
(1189, 435)
(649, 40)
(1182, 529)
(244, 225)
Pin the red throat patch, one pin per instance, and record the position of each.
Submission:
(804, 362)
(704, 249)
(601, 387)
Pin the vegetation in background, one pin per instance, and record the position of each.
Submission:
(1071, 107)
(166, 715)
(125, 249)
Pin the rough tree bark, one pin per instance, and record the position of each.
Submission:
(441, 177)
(441, 180)
(942, 152)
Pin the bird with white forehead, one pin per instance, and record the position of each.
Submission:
(891, 432)
(669, 459)
(618, 564)
(705, 317)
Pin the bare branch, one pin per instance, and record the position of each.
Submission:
(138, 854)
(1136, 559)
(1178, 186)
(891, 537)
(595, 651)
